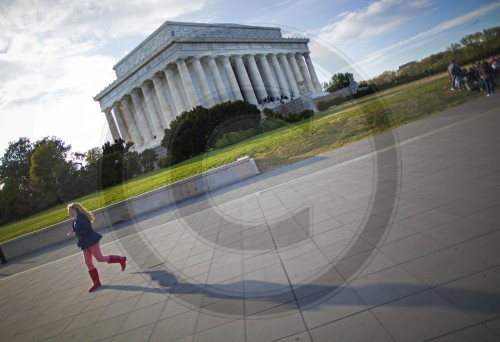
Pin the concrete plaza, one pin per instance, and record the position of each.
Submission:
(393, 238)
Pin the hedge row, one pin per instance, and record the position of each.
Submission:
(273, 120)
(202, 129)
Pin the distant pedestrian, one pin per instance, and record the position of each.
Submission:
(495, 65)
(488, 77)
(455, 74)
(88, 241)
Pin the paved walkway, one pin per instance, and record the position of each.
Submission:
(400, 244)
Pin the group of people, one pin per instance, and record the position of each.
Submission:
(271, 99)
(480, 76)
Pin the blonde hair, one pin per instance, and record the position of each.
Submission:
(81, 210)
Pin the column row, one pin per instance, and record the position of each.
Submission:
(143, 114)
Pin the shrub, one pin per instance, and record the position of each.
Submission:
(194, 132)
(272, 123)
(112, 163)
(132, 164)
(148, 160)
(268, 113)
(164, 162)
(235, 137)
(323, 105)
(294, 117)
(363, 93)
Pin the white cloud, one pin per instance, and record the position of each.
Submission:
(379, 17)
(293, 3)
(357, 32)
(43, 34)
(56, 55)
(420, 39)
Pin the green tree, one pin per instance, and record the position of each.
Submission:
(338, 81)
(491, 38)
(35, 176)
(47, 167)
(455, 50)
(196, 131)
(11, 201)
(112, 170)
(385, 78)
(16, 198)
(71, 182)
(363, 84)
(90, 171)
(15, 162)
(148, 160)
(60, 145)
(132, 164)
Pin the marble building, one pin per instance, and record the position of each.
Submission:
(183, 65)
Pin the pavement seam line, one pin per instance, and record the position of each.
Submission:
(348, 162)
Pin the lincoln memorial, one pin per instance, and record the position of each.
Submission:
(183, 65)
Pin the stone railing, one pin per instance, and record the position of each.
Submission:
(297, 105)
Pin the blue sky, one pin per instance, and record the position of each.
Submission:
(55, 55)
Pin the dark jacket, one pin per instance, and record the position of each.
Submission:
(454, 69)
(486, 71)
(86, 236)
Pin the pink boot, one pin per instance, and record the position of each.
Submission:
(114, 259)
(95, 279)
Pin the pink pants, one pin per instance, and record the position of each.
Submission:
(95, 251)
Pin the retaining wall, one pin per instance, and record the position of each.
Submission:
(349, 90)
(127, 210)
(296, 106)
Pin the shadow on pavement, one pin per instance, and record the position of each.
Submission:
(307, 294)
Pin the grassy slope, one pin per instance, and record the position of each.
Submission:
(329, 129)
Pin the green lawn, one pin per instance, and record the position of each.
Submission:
(328, 130)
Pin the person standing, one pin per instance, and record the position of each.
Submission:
(88, 241)
(488, 77)
(456, 74)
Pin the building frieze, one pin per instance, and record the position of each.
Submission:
(197, 47)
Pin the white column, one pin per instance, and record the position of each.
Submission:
(166, 115)
(233, 83)
(295, 68)
(284, 88)
(121, 122)
(219, 84)
(140, 116)
(151, 114)
(132, 124)
(268, 76)
(187, 82)
(176, 93)
(245, 84)
(158, 110)
(304, 72)
(208, 96)
(256, 79)
(312, 72)
(292, 82)
(112, 125)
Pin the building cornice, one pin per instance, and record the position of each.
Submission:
(176, 44)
